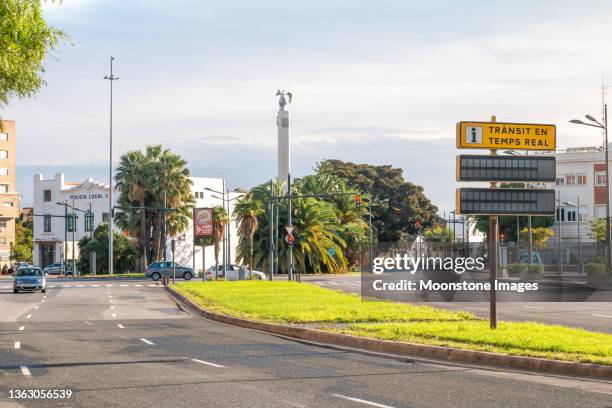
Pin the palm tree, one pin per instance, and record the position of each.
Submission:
(220, 220)
(246, 211)
(132, 181)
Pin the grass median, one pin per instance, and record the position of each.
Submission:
(287, 302)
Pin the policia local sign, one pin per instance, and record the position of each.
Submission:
(515, 136)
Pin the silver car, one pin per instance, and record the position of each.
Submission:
(158, 269)
(29, 279)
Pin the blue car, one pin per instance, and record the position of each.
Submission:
(29, 279)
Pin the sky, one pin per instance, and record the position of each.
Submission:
(379, 82)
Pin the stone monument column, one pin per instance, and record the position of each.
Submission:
(284, 151)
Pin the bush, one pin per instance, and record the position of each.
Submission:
(596, 268)
(536, 268)
(516, 268)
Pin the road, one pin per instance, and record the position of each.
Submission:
(595, 316)
(125, 344)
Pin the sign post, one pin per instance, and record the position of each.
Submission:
(203, 233)
(493, 201)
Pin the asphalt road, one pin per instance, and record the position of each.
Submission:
(595, 316)
(125, 344)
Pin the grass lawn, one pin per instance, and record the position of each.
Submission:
(288, 302)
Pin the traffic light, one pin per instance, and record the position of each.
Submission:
(502, 236)
(357, 201)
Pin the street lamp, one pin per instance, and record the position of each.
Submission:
(110, 78)
(224, 241)
(603, 126)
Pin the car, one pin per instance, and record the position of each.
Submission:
(535, 257)
(29, 279)
(56, 268)
(234, 272)
(166, 268)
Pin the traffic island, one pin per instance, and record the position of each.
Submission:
(315, 314)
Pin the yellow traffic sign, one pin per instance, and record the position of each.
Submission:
(515, 136)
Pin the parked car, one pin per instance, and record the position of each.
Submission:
(158, 269)
(56, 268)
(29, 279)
(234, 272)
(535, 257)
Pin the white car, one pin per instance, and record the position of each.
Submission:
(234, 272)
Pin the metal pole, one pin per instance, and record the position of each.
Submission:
(271, 225)
(203, 262)
(65, 238)
(579, 240)
(73, 227)
(559, 239)
(164, 227)
(530, 245)
(276, 232)
(608, 237)
(290, 223)
(230, 261)
(173, 264)
(224, 232)
(370, 227)
(518, 239)
(493, 258)
(111, 78)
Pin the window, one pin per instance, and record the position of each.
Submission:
(7, 204)
(583, 213)
(560, 181)
(71, 223)
(3, 137)
(600, 211)
(570, 214)
(4, 188)
(89, 221)
(560, 214)
(105, 217)
(2, 224)
(570, 179)
(3, 171)
(47, 196)
(582, 179)
(3, 240)
(47, 223)
(600, 178)
(3, 154)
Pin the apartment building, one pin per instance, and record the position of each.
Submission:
(9, 197)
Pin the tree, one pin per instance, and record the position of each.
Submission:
(25, 41)
(397, 204)
(21, 250)
(438, 233)
(246, 211)
(220, 220)
(124, 252)
(598, 229)
(154, 186)
(539, 236)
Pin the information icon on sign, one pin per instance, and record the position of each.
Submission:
(473, 135)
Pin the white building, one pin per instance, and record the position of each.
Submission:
(580, 174)
(51, 240)
(188, 255)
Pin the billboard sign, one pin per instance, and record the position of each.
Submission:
(515, 136)
(506, 168)
(505, 201)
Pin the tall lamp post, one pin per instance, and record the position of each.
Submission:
(111, 78)
(603, 126)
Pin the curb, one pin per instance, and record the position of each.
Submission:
(407, 349)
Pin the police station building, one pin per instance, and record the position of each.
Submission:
(52, 235)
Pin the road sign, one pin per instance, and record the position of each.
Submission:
(516, 136)
(505, 201)
(289, 229)
(331, 251)
(290, 239)
(505, 168)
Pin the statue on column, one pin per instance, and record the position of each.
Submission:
(284, 100)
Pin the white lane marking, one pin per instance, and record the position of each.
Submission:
(88, 322)
(138, 285)
(21, 328)
(35, 307)
(362, 401)
(25, 371)
(112, 307)
(532, 307)
(28, 316)
(110, 296)
(152, 285)
(599, 315)
(109, 285)
(51, 286)
(147, 342)
(5, 287)
(17, 344)
(65, 286)
(42, 301)
(110, 300)
(207, 363)
(80, 286)
(114, 315)
(123, 285)
(95, 286)
(120, 326)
